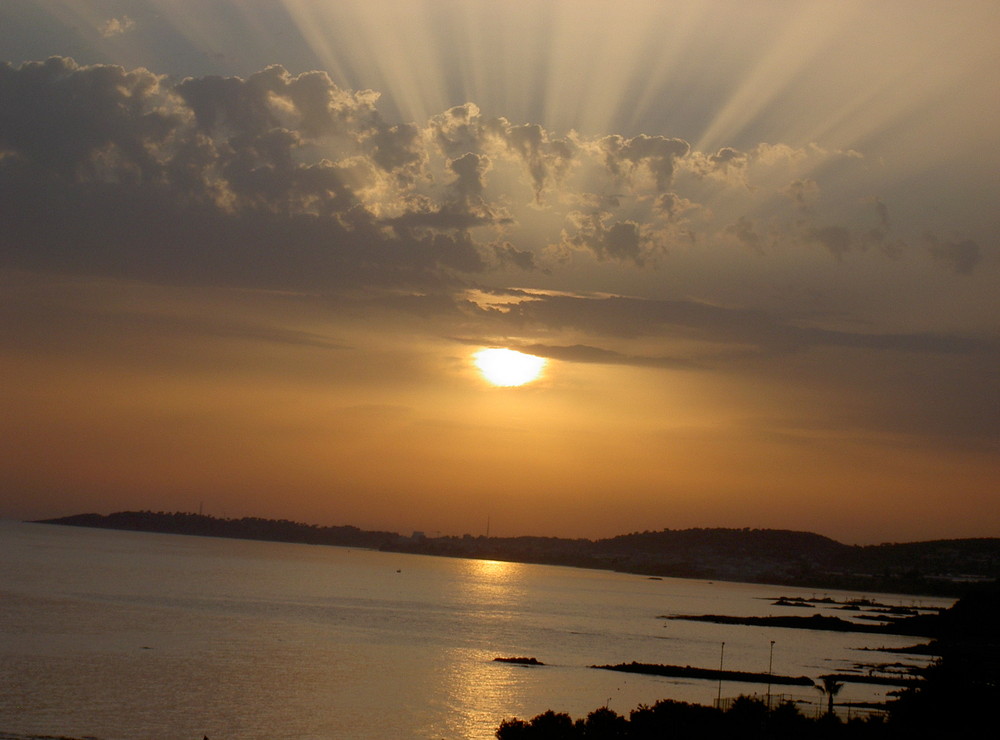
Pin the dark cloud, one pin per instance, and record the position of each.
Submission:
(746, 231)
(463, 129)
(758, 333)
(962, 257)
(837, 239)
(728, 157)
(310, 103)
(458, 130)
(803, 192)
(470, 170)
(589, 354)
(673, 206)
(282, 180)
(939, 385)
(881, 235)
(210, 181)
(657, 154)
(547, 159)
(507, 253)
(397, 149)
(607, 238)
(726, 164)
(621, 242)
(83, 122)
(883, 215)
(86, 328)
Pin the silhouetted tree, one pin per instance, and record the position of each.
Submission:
(675, 719)
(513, 729)
(557, 726)
(831, 687)
(603, 724)
(746, 715)
(786, 721)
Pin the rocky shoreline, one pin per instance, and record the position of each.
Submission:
(676, 671)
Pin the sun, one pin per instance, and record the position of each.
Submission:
(506, 367)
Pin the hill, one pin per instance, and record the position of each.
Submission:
(247, 528)
(781, 557)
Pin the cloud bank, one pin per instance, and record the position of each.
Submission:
(786, 266)
(284, 180)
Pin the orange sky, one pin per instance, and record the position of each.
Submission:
(766, 290)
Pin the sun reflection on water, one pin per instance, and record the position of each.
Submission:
(479, 691)
(493, 587)
(496, 569)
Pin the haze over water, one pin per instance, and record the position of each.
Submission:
(135, 636)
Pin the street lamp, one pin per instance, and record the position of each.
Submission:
(718, 699)
(770, 663)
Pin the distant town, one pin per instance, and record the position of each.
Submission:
(780, 557)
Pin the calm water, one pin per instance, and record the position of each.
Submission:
(128, 636)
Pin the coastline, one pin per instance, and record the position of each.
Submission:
(768, 557)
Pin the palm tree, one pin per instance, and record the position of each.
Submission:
(831, 687)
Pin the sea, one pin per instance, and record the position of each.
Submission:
(133, 636)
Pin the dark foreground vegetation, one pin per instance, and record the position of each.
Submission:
(956, 697)
(746, 718)
(781, 557)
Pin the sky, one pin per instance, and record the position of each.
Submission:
(250, 248)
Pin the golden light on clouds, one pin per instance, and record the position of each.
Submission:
(507, 367)
(244, 241)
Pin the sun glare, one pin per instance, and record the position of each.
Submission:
(506, 367)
